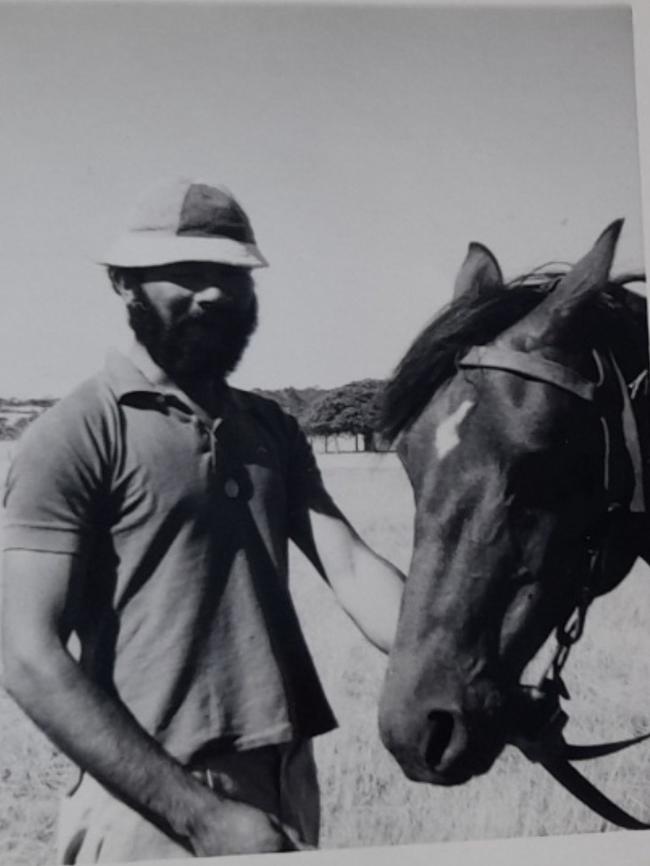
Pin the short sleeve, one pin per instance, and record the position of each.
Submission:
(52, 486)
(305, 483)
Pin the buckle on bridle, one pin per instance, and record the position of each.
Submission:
(538, 719)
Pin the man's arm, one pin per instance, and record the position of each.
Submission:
(367, 586)
(40, 603)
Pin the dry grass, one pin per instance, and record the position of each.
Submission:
(366, 800)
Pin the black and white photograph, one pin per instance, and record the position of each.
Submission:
(324, 433)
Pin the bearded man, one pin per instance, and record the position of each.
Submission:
(149, 513)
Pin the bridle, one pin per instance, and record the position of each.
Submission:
(541, 719)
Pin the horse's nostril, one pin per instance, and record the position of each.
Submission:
(442, 725)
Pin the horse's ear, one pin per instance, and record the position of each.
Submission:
(546, 323)
(479, 273)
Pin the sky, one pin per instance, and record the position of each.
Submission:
(369, 146)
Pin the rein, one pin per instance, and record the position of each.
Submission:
(541, 719)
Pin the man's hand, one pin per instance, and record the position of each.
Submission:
(226, 826)
(96, 731)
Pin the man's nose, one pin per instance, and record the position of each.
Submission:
(208, 296)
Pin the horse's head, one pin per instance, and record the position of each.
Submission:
(507, 463)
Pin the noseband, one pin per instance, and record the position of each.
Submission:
(541, 718)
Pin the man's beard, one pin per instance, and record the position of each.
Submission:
(206, 345)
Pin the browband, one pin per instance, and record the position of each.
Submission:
(534, 366)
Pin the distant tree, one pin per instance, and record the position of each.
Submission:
(22, 424)
(11, 430)
(321, 419)
(41, 402)
(296, 401)
(351, 409)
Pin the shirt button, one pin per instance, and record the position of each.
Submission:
(231, 488)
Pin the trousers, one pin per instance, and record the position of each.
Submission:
(95, 827)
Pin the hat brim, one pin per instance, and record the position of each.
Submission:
(138, 250)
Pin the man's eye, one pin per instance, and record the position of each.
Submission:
(186, 277)
(190, 281)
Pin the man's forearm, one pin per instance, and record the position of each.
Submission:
(372, 595)
(102, 737)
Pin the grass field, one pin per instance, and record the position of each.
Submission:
(366, 800)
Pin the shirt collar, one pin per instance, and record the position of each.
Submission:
(155, 375)
(124, 377)
(137, 373)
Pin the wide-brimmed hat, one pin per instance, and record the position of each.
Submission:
(184, 221)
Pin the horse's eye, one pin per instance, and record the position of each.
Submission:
(532, 481)
(544, 479)
(523, 575)
(524, 518)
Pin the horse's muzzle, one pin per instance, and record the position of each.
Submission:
(443, 746)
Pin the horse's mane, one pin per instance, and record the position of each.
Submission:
(475, 320)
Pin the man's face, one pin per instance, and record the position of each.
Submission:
(194, 318)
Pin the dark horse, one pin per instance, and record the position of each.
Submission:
(521, 413)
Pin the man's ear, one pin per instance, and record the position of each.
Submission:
(124, 282)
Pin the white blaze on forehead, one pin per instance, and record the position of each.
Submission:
(447, 437)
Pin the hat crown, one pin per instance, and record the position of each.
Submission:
(186, 220)
(191, 209)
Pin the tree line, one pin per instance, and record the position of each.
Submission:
(349, 410)
(16, 414)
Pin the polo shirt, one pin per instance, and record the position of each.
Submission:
(184, 526)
